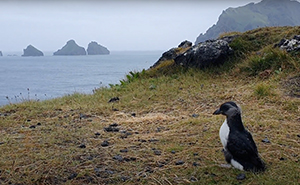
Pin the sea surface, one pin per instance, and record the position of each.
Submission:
(40, 78)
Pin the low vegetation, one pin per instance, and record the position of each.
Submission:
(158, 126)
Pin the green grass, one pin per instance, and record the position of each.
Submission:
(163, 100)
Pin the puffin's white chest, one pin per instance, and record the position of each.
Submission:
(224, 132)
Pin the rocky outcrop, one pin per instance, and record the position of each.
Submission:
(202, 55)
(209, 53)
(290, 45)
(96, 49)
(1, 54)
(174, 52)
(71, 48)
(254, 15)
(32, 51)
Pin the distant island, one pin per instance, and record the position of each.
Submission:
(96, 49)
(1, 54)
(71, 48)
(32, 51)
(263, 14)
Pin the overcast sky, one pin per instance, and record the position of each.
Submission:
(115, 24)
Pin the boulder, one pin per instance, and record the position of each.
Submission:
(96, 49)
(208, 53)
(71, 48)
(32, 51)
(290, 45)
(173, 52)
(1, 54)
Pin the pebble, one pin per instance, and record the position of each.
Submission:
(72, 176)
(118, 158)
(241, 176)
(114, 99)
(180, 162)
(266, 140)
(105, 143)
(111, 129)
(124, 150)
(193, 179)
(195, 115)
(82, 146)
(97, 134)
(157, 152)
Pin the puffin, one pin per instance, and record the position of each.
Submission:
(239, 147)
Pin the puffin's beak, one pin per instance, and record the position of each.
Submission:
(217, 112)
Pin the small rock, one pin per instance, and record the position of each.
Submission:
(157, 152)
(180, 162)
(124, 150)
(241, 176)
(153, 140)
(195, 115)
(266, 140)
(111, 129)
(195, 164)
(113, 125)
(114, 99)
(97, 134)
(82, 146)
(282, 158)
(193, 179)
(173, 151)
(72, 176)
(118, 158)
(133, 114)
(105, 143)
(32, 126)
(39, 124)
(123, 178)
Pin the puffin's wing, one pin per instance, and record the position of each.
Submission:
(244, 150)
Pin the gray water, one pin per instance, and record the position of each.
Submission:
(40, 78)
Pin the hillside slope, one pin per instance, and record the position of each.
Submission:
(263, 14)
(157, 127)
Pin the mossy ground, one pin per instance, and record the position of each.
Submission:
(165, 123)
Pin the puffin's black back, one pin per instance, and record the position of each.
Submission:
(240, 145)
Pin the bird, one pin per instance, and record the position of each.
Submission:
(239, 147)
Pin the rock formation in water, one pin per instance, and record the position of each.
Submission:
(263, 14)
(96, 49)
(71, 48)
(1, 54)
(31, 51)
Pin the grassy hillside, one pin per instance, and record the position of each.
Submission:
(162, 130)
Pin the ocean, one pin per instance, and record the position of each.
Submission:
(41, 78)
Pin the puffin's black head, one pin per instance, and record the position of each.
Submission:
(228, 109)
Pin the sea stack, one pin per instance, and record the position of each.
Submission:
(71, 48)
(96, 49)
(32, 51)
